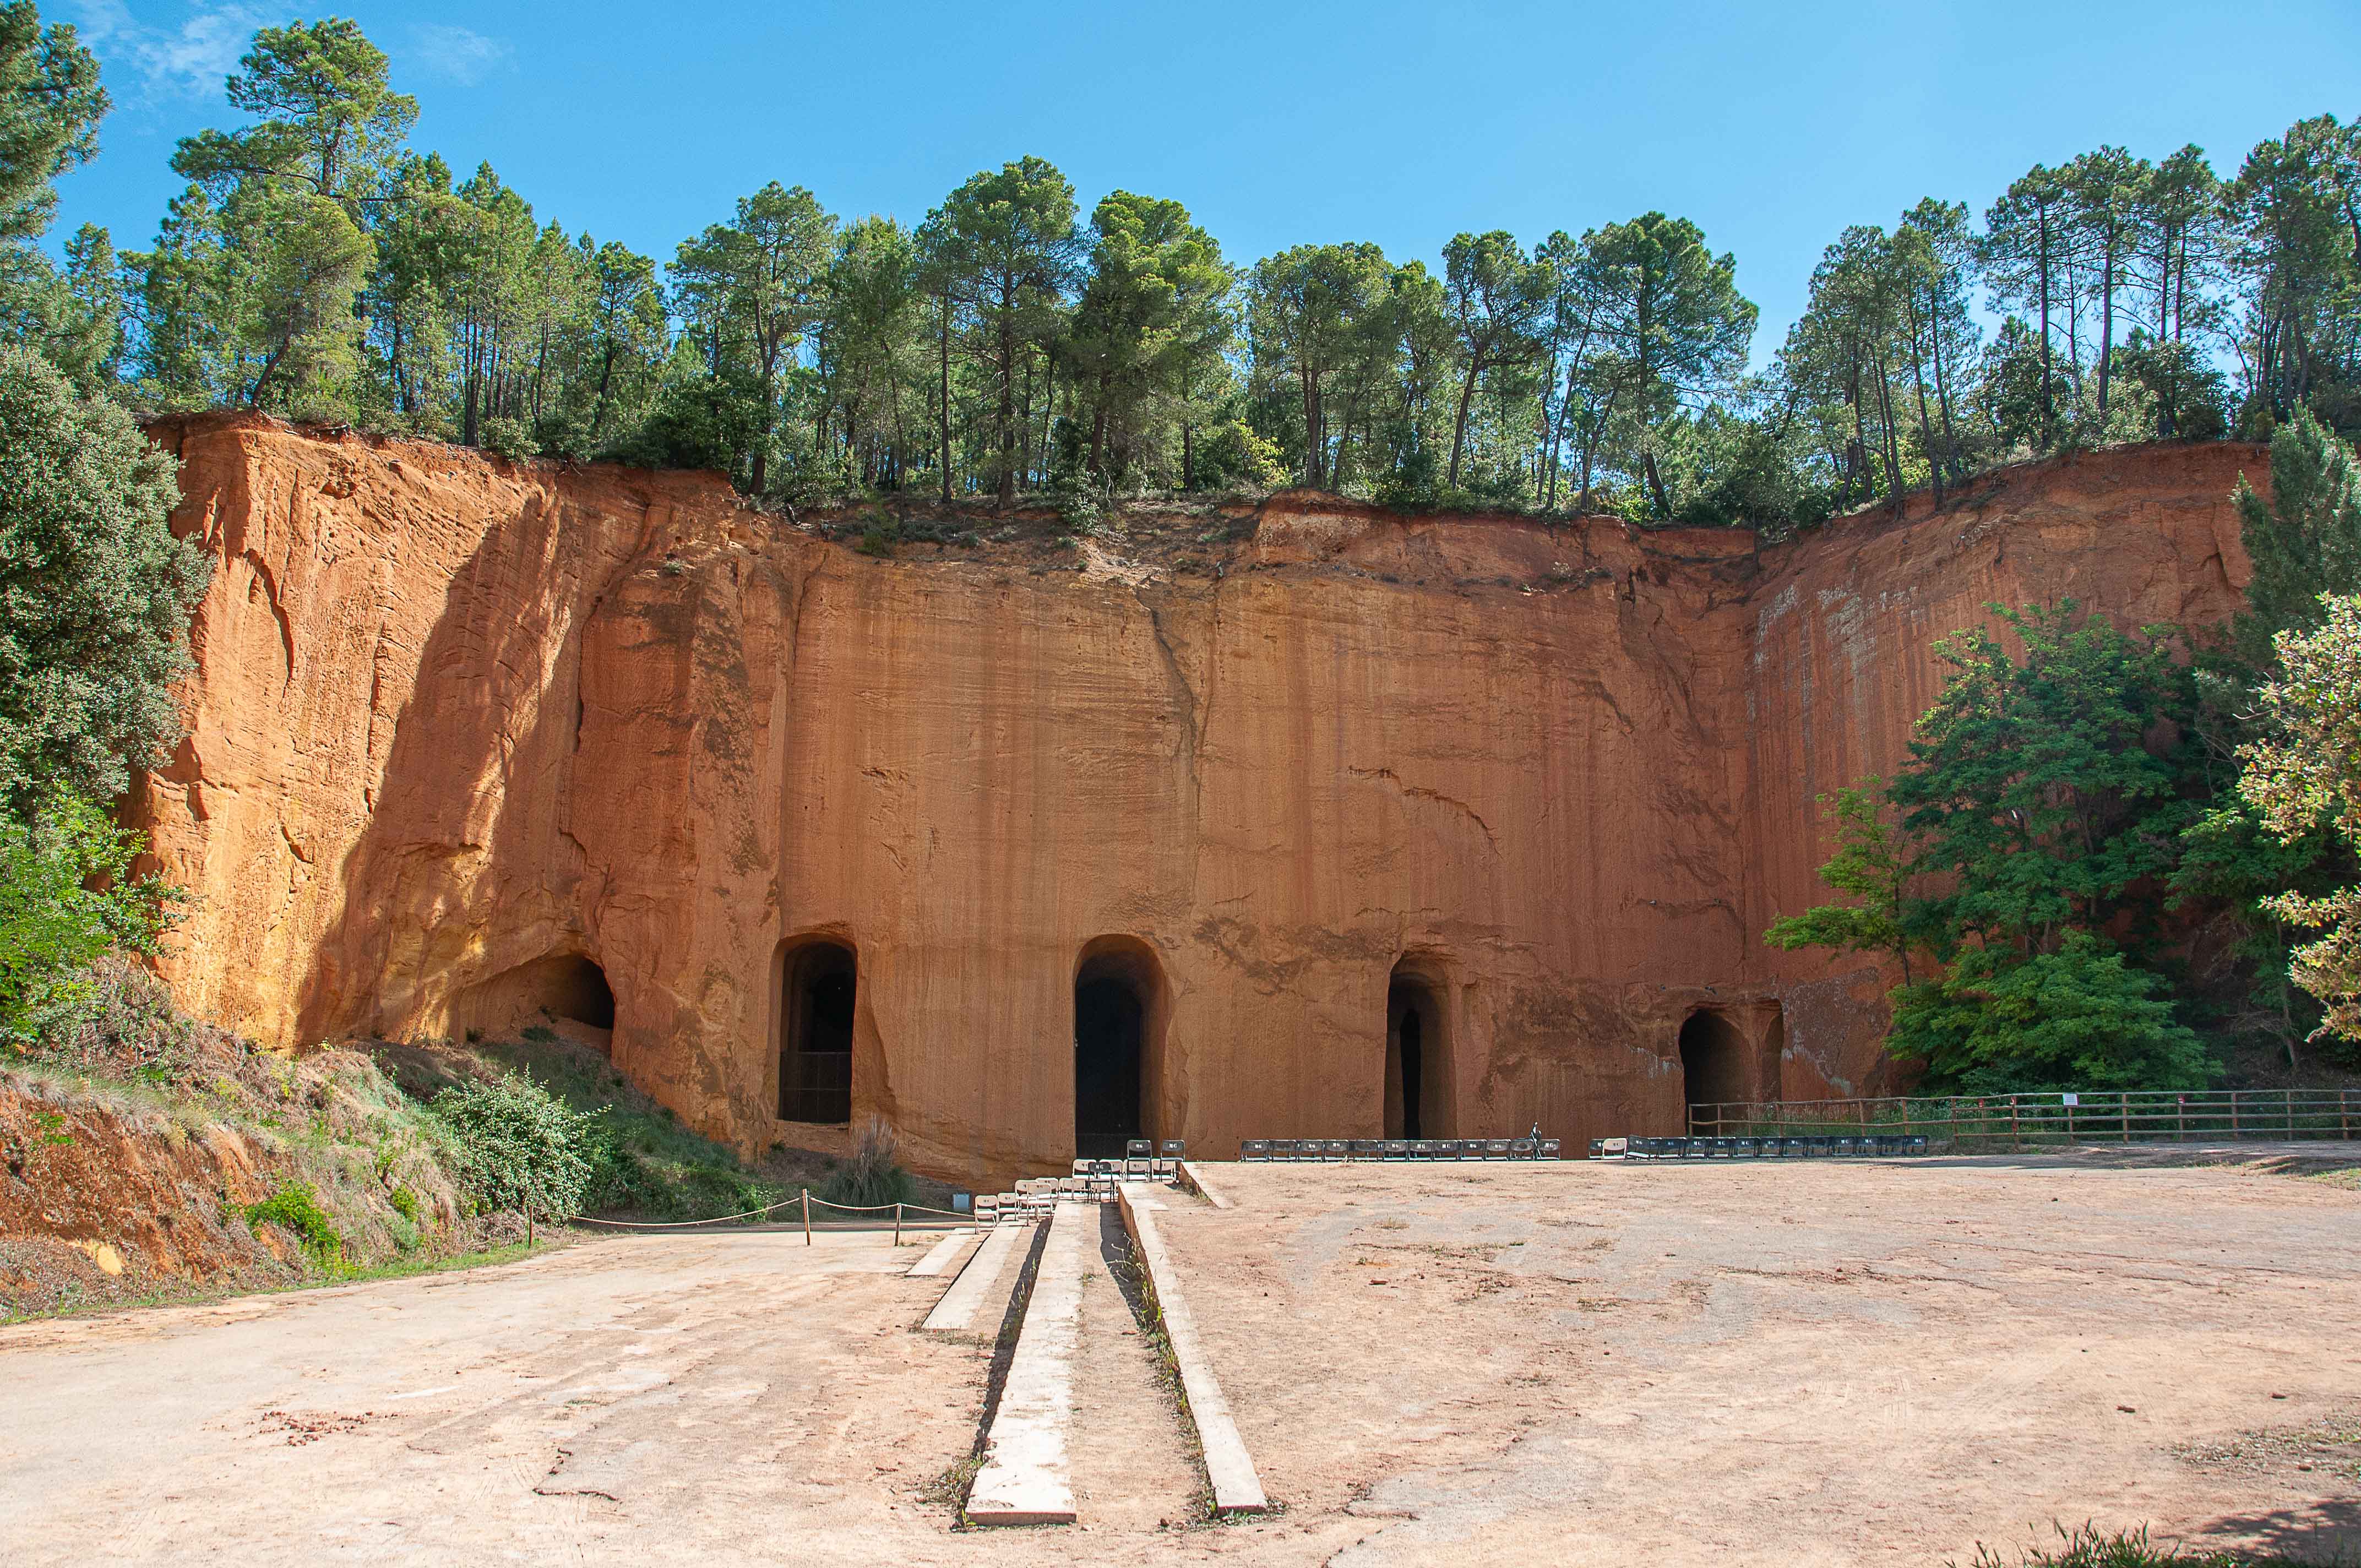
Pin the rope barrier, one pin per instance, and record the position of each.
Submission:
(801, 1198)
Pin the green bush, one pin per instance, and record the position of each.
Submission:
(67, 897)
(297, 1207)
(2076, 1018)
(405, 1202)
(517, 1146)
(871, 1178)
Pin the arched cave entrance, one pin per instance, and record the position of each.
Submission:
(821, 981)
(1118, 1026)
(1418, 1056)
(557, 987)
(1713, 1064)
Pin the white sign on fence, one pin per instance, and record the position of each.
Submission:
(2069, 1099)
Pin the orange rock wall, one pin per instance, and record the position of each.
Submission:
(454, 718)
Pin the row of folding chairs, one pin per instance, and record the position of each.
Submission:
(1012, 1207)
(1143, 1159)
(1865, 1145)
(1324, 1149)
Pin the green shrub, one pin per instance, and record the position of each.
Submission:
(515, 1146)
(67, 897)
(405, 1202)
(297, 1208)
(873, 1178)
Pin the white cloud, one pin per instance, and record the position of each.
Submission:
(195, 58)
(461, 54)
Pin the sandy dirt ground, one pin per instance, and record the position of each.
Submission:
(1811, 1363)
(1577, 1364)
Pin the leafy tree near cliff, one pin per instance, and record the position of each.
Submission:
(1679, 326)
(2235, 871)
(2034, 782)
(1873, 863)
(95, 591)
(1005, 249)
(758, 284)
(68, 896)
(2041, 808)
(2306, 540)
(2303, 774)
(50, 103)
(1153, 310)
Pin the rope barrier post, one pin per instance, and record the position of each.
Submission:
(897, 1225)
(808, 1216)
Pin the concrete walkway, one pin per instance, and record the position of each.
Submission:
(1028, 1476)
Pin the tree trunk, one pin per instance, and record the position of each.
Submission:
(1918, 380)
(943, 410)
(1656, 486)
(2041, 268)
(1459, 426)
(1007, 408)
(2106, 318)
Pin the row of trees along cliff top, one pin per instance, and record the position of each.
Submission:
(320, 267)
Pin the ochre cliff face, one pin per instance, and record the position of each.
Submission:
(461, 729)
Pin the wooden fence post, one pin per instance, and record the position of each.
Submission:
(897, 1223)
(808, 1216)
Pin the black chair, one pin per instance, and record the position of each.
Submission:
(1254, 1149)
(1521, 1148)
(1548, 1150)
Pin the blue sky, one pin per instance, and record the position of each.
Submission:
(1771, 125)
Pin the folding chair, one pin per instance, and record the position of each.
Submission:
(1169, 1155)
(1549, 1148)
(1521, 1148)
(1254, 1149)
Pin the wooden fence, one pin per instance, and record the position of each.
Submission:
(2032, 1121)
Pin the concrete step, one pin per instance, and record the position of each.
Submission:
(941, 1256)
(1027, 1474)
(987, 1279)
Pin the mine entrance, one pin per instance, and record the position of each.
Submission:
(1118, 1003)
(1713, 1065)
(822, 981)
(573, 987)
(1417, 1062)
(1107, 1018)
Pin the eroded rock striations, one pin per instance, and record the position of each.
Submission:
(1361, 826)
